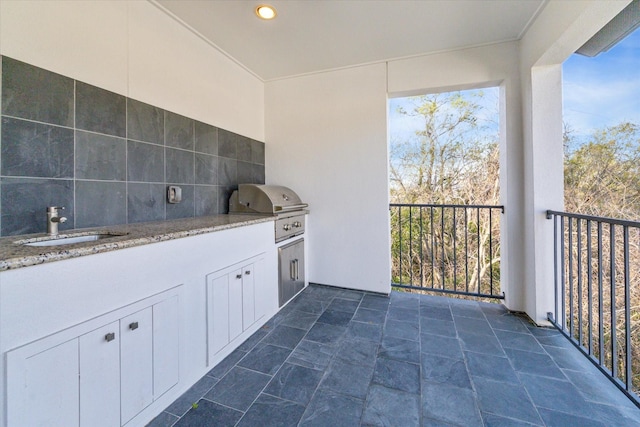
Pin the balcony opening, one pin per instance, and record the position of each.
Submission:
(597, 238)
(445, 192)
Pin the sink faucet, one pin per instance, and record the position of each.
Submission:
(53, 219)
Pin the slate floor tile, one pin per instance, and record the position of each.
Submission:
(324, 333)
(344, 378)
(397, 375)
(430, 326)
(265, 358)
(346, 305)
(284, 336)
(493, 367)
(492, 420)
(557, 395)
(533, 363)
(238, 389)
(439, 313)
(553, 418)
(365, 331)
(443, 346)
(182, 404)
(467, 311)
(507, 322)
(367, 315)
(375, 302)
(226, 364)
(270, 411)
(518, 341)
(450, 404)
(335, 317)
(404, 314)
(253, 340)
(300, 320)
(480, 343)
(595, 387)
(351, 294)
(358, 352)
(438, 369)
(401, 329)
(295, 383)
(312, 354)
(569, 358)
(388, 407)
(331, 409)
(396, 348)
(476, 326)
(206, 411)
(310, 305)
(506, 400)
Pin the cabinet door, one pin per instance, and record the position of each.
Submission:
(218, 313)
(136, 363)
(42, 388)
(248, 296)
(235, 303)
(165, 346)
(100, 376)
(265, 295)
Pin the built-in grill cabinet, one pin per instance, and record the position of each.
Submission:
(290, 213)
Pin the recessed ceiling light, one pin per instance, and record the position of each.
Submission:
(264, 11)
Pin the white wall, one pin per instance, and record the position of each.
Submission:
(135, 49)
(559, 30)
(495, 65)
(326, 137)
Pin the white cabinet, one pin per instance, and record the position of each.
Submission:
(32, 398)
(102, 372)
(136, 363)
(232, 302)
(100, 376)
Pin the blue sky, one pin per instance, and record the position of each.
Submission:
(597, 92)
(604, 90)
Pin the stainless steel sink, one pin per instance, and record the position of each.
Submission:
(67, 239)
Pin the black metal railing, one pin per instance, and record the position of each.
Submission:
(451, 249)
(597, 293)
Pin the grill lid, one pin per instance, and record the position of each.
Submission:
(266, 199)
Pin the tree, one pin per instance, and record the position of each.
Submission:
(452, 158)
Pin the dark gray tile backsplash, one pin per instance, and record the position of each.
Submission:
(100, 157)
(101, 111)
(107, 158)
(36, 150)
(35, 94)
(24, 202)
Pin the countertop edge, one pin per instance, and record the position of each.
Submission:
(16, 256)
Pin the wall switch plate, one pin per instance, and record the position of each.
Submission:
(174, 194)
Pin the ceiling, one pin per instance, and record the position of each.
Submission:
(310, 36)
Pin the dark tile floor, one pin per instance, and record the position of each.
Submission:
(336, 357)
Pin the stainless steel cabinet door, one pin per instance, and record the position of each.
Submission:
(291, 272)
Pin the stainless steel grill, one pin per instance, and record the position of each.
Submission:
(276, 200)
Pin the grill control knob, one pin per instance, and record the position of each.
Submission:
(297, 224)
(286, 227)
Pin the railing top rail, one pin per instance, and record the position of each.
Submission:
(429, 205)
(613, 221)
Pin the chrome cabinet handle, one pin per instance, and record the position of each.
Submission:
(248, 272)
(110, 337)
(133, 326)
(238, 276)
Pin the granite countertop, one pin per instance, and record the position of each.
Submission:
(14, 255)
